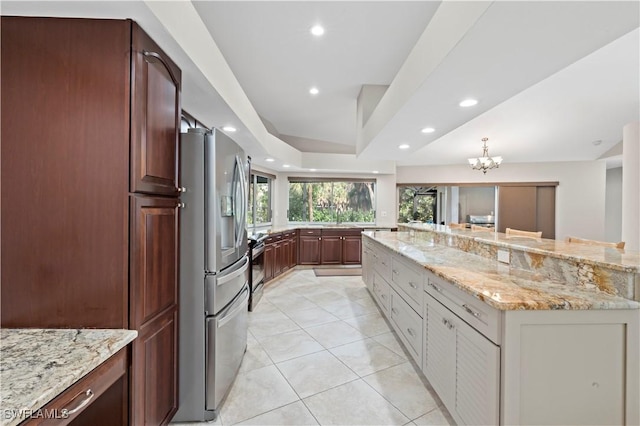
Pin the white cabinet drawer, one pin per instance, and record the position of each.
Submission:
(408, 325)
(382, 262)
(476, 313)
(381, 292)
(409, 279)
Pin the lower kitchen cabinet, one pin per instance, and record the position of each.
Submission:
(154, 371)
(462, 366)
(98, 399)
(331, 250)
(309, 249)
(269, 262)
(495, 367)
(352, 250)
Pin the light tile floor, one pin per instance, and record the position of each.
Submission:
(320, 352)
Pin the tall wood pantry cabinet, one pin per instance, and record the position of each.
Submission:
(90, 125)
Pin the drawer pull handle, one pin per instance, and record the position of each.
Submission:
(384, 296)
(411, 332)
(394, 271)
(435, 287)
(384, 263)
(88, 396)
(412, 285)
(471, 311)
(447, 323)
(394, 311)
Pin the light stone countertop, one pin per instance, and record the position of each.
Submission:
(292, 227)
(619, 259)
(36, 365)
(496, 284)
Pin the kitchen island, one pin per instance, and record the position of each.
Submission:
(40, 370)
(502, 344)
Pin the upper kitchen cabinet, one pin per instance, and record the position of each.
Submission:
(155, 118)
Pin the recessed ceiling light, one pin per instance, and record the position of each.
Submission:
(312, 170)
(229, 129)
(317, 30)
(404, 146)
(270, 160)
(286, 166)
(314, 91)
(428, 130)
(468, 102)
(375, 172)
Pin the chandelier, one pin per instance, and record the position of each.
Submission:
(485, 162)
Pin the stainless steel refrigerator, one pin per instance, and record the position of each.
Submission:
(214, 266)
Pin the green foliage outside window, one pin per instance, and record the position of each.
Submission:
(416, 203)
(333, 201)
(259, 211)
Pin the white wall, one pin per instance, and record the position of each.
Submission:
(580, 195)
(385, 196)
(613, 206)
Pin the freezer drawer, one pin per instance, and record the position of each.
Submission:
(221, 288)
(226, 344)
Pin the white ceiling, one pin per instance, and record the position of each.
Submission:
(551, 77)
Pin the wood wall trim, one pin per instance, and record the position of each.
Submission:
(476, 184)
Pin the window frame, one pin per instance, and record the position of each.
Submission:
(253, 177)
(332, 180)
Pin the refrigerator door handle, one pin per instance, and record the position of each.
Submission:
(228, 277)
(241, 205)
(240, 305)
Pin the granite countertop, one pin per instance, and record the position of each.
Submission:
(36, 365)
(619, 259)
(291, 227)
(497, 284)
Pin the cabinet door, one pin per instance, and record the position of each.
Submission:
(352, 250)
(293, 259)
(269, 262)
(154, 257)
(331, 250)
(285, 255)
(155, 118)
(154, 372)
(477, 377)
(441, 351)
(309, 250)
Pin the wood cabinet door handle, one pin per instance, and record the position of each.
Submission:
(147, 54)
(88, 396)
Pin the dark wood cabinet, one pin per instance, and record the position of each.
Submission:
(269, 262)
(352, 249)
(64, 181)
(309, 246)
(89, 218)
(155, 115)
(154, 257)
(331, 250)
(154, 371)
(293, 258)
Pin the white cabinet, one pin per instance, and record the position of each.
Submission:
(367, 264)
(381, 292)
(408, 325)
(462, 365)
(408, 278)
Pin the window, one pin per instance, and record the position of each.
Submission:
(259, 200)
(417, 203)
(331, 201)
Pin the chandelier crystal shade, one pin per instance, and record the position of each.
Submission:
(485, 162)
